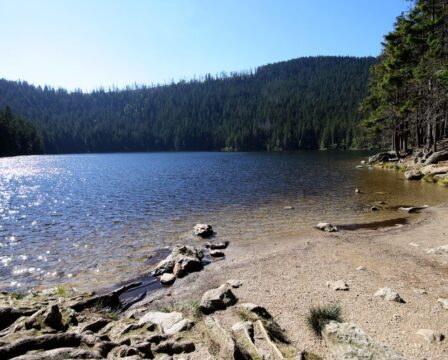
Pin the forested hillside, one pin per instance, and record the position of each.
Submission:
(306, 103)
(408, 101)
(17, 137)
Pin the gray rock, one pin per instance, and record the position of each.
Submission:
(413, 209)
(9, 315)
(95, 325)
(443, 302)
(217, 246)
(182, 260)
(430, 336)
(217, 253)
(440, 250)
(53, 318)
(381, 157)
(338, 285)
(437, 157)
(288, 208)
(361, 268)
(61, 353)
(348, 342)
(167, 279)
(234, 283)
(389, 295)
(326, 227)
(256, 309)
(172, 347)
(203, 230)
(217, 299)
(170, 323)
(413, 175)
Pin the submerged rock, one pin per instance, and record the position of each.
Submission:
(326, 227)
(389, 295)
(203, 230)
(348, 342)
(217, 299)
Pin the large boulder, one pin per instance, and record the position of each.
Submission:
(184, 259)
(348, 342)
(203, 230)
(437, 157)
(217, 299)
(434, 169)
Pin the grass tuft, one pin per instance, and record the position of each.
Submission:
(321, 315)
(189, 308)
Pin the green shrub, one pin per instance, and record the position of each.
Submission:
(321, 315)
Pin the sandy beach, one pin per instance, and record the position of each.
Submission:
(288, 275)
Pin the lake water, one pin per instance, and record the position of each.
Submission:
(93, 220)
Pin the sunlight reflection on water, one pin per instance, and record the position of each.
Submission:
(90, 220)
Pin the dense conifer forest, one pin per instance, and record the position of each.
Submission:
(408, 101)
(306, 103)
(18, 137)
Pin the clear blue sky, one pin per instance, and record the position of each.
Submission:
(91, 43)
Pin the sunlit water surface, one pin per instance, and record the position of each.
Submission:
(93, 220)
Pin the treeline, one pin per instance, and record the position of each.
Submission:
(306, 103)
(408, 98)
(18, 137)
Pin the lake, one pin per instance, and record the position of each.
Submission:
(93, 220)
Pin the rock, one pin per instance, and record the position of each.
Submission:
(443, 302)
(374, 208)
(217, 246)
(217, 299)
(348, 342)
(357, 191)
(123, 351)
(172, 347)
(167, 279)
(288, 208)
(53, 318)
(413, 209)
(61, 353)
(182, 260)
(203, 230)
(437, 157)
(9, 315)
(94, 326)
(420, 291)
(256, 309)
(170, 323)
(382, 157)
(430, 336)
(389, 295)
(217, 253)
(326, 227)
(339, 285)
(413, 175)
(234, 283)
(226, 346)
(440, 250)
(363, 162)
(361, 268)
(434, 170)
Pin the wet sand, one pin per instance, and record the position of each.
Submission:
(288, 274)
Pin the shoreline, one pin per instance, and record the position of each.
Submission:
(289, 275)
